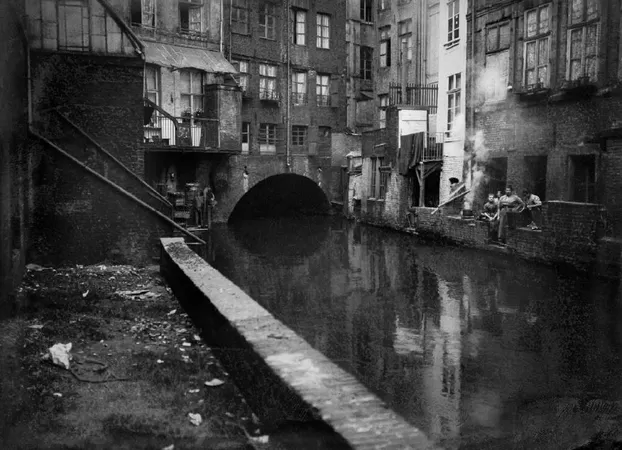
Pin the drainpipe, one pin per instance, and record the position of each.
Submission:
(230, 21)
(471, 68)
(289, 76)
(221, 26)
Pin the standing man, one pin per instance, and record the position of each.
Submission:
(491, 216)
(533, 210)
(199, 203)
(210, 202)
(245, 180)
(510, 203)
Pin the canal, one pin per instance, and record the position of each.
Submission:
(476, 349)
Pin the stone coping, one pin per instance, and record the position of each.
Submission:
(242, 327)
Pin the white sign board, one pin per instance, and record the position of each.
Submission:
(412, 121)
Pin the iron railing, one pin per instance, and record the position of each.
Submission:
(168, 131)
(416, 95)
(434, 148)
(323, 100)
(299, 98)
(268, 94)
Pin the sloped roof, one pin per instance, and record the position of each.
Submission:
(187, 58)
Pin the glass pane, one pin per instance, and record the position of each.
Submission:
(185, 103)
(197, 83)
(456, 7)
(592, 9)
(575, 69)
(591, 68)
(458, 80)
(530, 60)
(450, 101)
(591, 41)
(150, 74)
(504, 38)
(575, 44)
(532, 23)
(543, 75)
(543, 25)
(531, 77)
(491, 39)
(543, 51)
(244, 66)
(185, 82)
(576, 11)
(450, 83)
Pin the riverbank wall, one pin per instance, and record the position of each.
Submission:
(281, 376)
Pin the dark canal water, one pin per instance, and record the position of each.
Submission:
(479, 351)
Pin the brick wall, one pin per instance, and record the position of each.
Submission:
(103, 95)
(79, 218)
(15, 180)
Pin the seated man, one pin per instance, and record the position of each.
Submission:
(533, 209)
(511, 204)
(491, 215)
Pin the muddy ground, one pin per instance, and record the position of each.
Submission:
(138, 369)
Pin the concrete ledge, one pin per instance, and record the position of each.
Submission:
(281, 375)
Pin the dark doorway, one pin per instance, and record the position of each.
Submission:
(583, 178)
(535, 175)
(432, 187)
(496, 175)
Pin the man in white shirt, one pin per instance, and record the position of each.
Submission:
(533, 209)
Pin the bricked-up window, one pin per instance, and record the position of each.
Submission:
(246, 136)
(152, 83)
(494, 79)
(453, 21)
(142, 12)
(537, 34)
(267, 82)
(243, 75)
(267, 21)
(366, 10)
(190, 16)
(299, 88)
(366, 56)
(322, 87)
(454, 84)
(406, 38)
(323, 31)
(385, 47)
(299, 135)
(267, 138)
(191, 92)
(583, 181)
(382, 111)
(300, 26)
(239, 16)
(497, 37)
(73, 25)
(583, 40)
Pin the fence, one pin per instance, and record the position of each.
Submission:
(416, 95)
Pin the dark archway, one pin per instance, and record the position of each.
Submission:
(281, 195)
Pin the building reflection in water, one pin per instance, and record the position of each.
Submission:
(475, 349)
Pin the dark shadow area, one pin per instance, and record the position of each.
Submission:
(281, 195)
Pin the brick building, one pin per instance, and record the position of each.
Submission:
(544, 100)
(291, 60)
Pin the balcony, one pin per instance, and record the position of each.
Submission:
(299, 98)
(434, 148)
(416, 95)
(181, 36)
(269, 95)
(323, 100)
(166, 131)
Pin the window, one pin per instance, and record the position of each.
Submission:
(583, 40)
(453, 99)
(246, 136)
(267, 82)
(300, 26)
(406, 38)
(382, 112)
(267, 22)
(239, 16)
(537, 30)
(366, 55)
(190, 18)
(322, 85)
(373, 174)
(583, 181)
(325, 132)
(299, 88)
(323, 31)
(299, 135)
(453, 21)
(242, 67)
(385, 47)
(497, 37)
(384, 4)
(142, 12)
(267, 138)
(384, 181)
(378, 181)
(152, 84)
(496, 81)
(191, 92)
(73, 25)
(366, 10)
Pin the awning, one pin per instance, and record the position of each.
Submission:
(187, 58)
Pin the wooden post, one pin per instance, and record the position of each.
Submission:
(421, 184)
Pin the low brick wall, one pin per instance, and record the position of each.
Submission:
(281, 375)
(570, 234)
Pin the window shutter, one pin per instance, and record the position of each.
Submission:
(335, 81)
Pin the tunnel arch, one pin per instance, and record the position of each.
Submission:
(280, 195)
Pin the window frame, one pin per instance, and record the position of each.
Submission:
(268, 13)
(383, 100)
(583, 27)
(454, 95)
(193, 96)
(64, 41)
(240, 16)
(453, 22)
(157, 81)
(497, 28)
(299, 136)
(266, 80)
(322, 99)
(267, 138)
(246, 133)
(244, 75)
(366, 64)
(299, 87)
(373, 172)
(153, 14)
(384, 47)
(366, 11)
(189, 7)
(536, 39)
(299, 37)
(404, 31)
(322, 40)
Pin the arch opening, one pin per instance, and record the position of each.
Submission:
(281, 195)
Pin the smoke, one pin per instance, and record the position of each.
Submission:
(479, 157)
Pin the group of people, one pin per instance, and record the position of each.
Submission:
(204, 202)
(502, 211)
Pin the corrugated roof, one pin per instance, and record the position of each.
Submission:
(186, 58)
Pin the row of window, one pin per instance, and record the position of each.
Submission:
(299, 80)
(190, 13)
(240, 23)
(267, 138)
(190, 88)
(404, 37)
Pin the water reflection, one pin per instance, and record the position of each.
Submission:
(479, 351)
